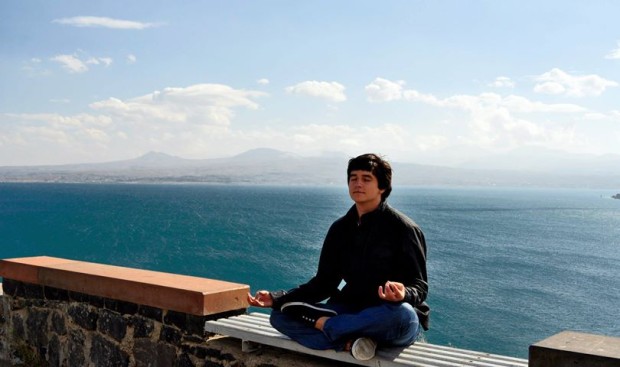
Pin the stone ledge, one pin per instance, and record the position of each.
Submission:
(182, 293)
(570, 348)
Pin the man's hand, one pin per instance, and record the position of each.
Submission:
(394, 291)
(261, 299)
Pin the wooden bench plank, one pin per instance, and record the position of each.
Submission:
(255, 327)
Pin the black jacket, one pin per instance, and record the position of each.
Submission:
(384, 245)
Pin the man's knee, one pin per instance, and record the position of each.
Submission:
(404, 310)
(276, 319)
(409, 325)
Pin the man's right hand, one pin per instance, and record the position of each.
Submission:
(261, 299)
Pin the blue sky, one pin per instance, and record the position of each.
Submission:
(438, 82)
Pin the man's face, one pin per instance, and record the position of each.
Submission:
(364, 187)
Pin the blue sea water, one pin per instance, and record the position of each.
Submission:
(507, 267)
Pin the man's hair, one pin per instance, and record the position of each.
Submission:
(375, 165)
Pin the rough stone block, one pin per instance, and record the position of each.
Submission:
(53, 351)
(58, 323)
(19, 331)
(33, 302)
(84, 316)
(36, 325)
(4, 309)
(203, 352)
(166, 355)
(170, 335)
(75, 347)
(18, 304)
(186, 361)
(112, 324)
(142, 327)
(145, 352)
(104, 353)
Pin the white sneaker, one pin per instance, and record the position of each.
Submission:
(363, 349)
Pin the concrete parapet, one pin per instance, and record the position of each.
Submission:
(193, 295)
(57, 312)
(573, 349)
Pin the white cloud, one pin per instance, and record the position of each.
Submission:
(39, 134)
(58, 121)
(383, 90)
(197, 121)
(556, 81)
(429, 143)
(491, 120)
(202, 104)
(106, 61)
(502, 82)
(75, 64)
(131, 59)
(614, 54)
(354, 139)
(71, 63)
(263, 81)
(415, 96)
(332, 91)
(104, 22)
(595, 116)
(194, 119)
(549, 88)
(520, 104)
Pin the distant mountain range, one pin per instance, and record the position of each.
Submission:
(269, 166)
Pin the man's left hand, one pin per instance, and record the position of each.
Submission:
(392, 291)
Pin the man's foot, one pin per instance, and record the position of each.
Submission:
(363, 349)
(306, 312)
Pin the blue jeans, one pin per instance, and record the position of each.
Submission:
(390, 324)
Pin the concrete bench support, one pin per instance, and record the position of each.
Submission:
(255, 328)
(574, 349)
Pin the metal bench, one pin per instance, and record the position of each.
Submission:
(254, 328)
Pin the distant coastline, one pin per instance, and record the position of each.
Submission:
(273, 167)
(617, 196)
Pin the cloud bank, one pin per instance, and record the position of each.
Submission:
(104, 22)
(558, 82)
(332, 91)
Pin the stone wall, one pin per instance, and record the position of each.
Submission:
(62, 312)
(46, 326)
